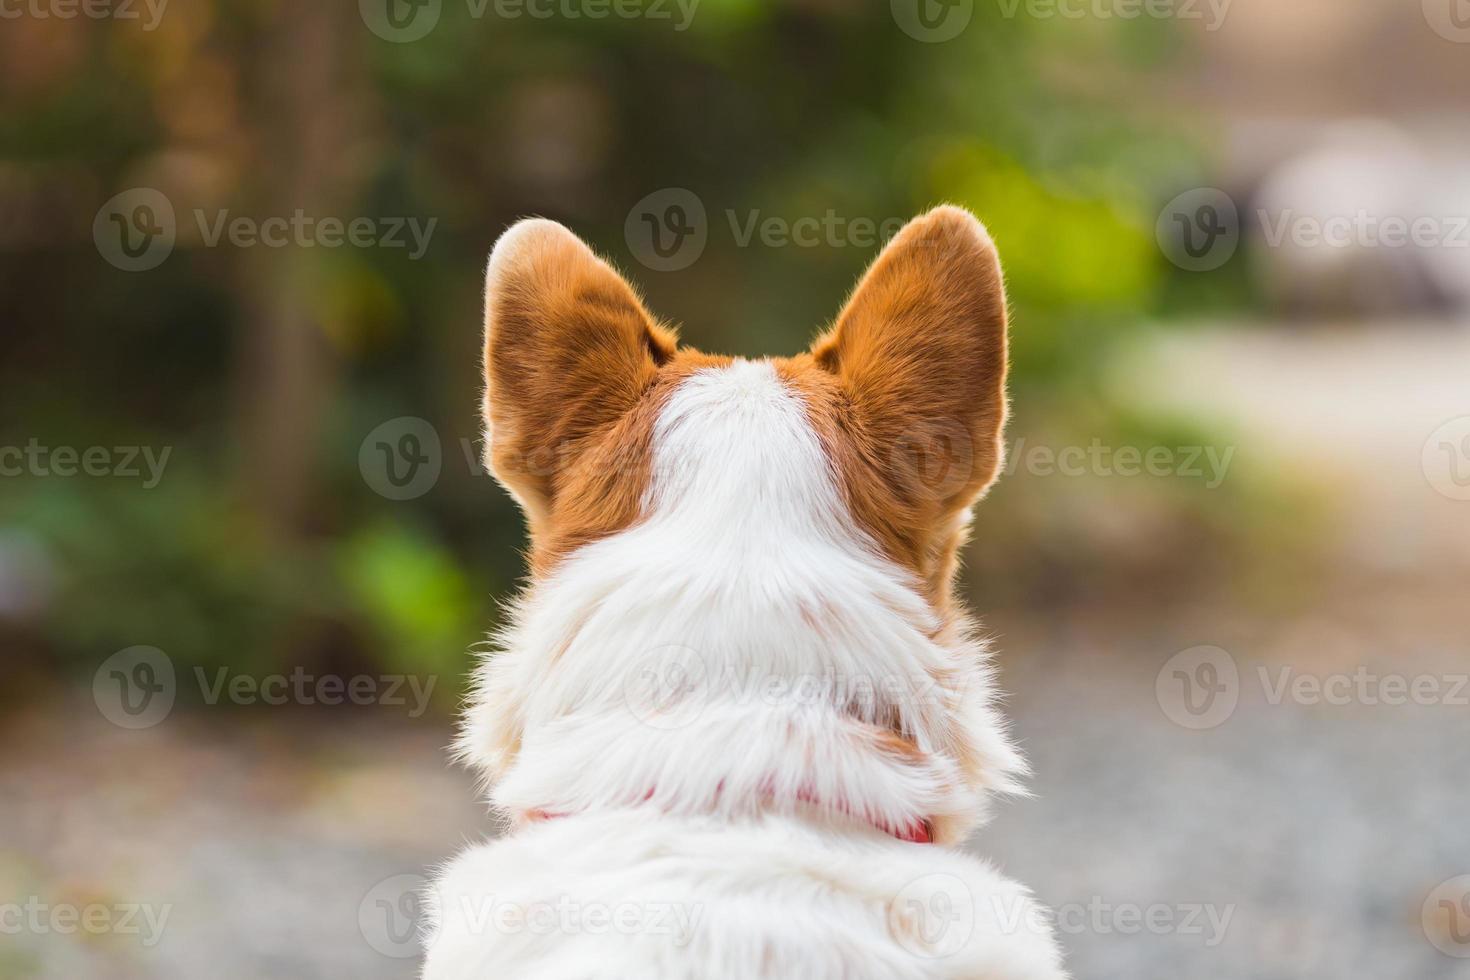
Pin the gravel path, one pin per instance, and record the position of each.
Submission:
(1290, 841)
(1314, 833)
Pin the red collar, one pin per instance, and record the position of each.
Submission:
(919, 832)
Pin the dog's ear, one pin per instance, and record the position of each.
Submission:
(920, 351)
(569, 349)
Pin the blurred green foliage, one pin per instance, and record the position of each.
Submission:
(264, 369)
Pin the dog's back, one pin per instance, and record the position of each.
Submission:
(737, 720)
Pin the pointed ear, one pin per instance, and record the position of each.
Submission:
(920, 351)
(569, 349)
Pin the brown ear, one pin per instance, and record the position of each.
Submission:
(920, 351)
(569, 349)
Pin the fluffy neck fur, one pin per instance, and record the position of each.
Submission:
(741, 648)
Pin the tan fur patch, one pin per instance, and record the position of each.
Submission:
(576, 373)
(907, 391)
(599, 489)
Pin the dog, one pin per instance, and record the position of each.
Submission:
(739, 723)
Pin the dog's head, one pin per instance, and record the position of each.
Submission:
(904, 394)
(734, 528)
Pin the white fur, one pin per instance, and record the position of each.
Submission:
(784, 645)
(700, 898)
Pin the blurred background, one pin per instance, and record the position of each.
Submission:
(246, 545)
